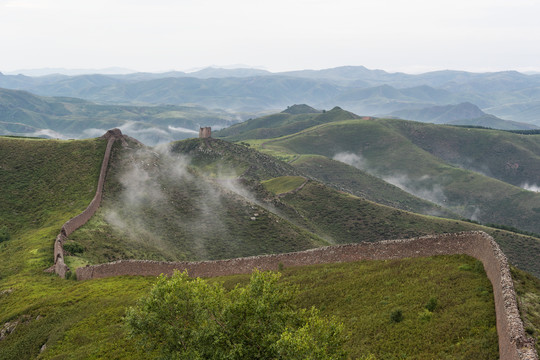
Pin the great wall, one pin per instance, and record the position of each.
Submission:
(514, 344)
(73, 224)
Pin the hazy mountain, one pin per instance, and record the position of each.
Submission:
(22, 113)
(213, 72)
(70, 72)
(460, 114)
(510, 95)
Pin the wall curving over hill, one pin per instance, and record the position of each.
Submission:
(73, 224)
(513, 342)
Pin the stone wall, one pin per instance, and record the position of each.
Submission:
(513, 342)
(73, 224)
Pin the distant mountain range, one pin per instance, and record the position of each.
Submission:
(25, 114)
(509, 95)
(460, 114)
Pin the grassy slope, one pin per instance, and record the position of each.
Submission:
(177, 214)
(283, 184)
(23, 113)
(40, 192)
(492, 152)
(281, 124)
(389, 154)
(293, 222)
(363, 295)
(343, 218)
(347, 178)
(77, 320)
(528, 293)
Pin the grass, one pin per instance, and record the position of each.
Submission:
(364, 294)
(44, 183)
(84, 319)
(177, 214)
(528, 294)
(37, 183)
(283, 184)
(348, 178)
(423, 160)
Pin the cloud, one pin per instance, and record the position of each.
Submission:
(183, 130)
(48, 133)
(426, 191)
(531, 187)
(351, 159)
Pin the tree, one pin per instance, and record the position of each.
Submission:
(193, 319)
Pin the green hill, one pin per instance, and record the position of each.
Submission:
(344, 177)
(287, 122)
(506, 156)
(411, 156)
(54, 318)
(156, 206)
(22, 113)
(460, 114)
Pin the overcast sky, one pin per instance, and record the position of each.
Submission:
(279, 35)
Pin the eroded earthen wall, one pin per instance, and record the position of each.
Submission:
(513, 342)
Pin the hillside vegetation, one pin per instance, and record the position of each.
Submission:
(460, 114)
(54, 318)
(176, 211)
(289, 121)
(157, 207)
(389, 150)
(22, 113)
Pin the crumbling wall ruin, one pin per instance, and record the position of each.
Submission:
(513, 342)
(73, 224)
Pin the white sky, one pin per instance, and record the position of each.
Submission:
(161, 35)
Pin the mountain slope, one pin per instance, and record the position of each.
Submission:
(348, 178)
(56, 318)
(386, 152)
(22, 113)
(460, 114)
(508, 94)
(281, 124)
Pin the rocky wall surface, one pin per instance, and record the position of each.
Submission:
(513, 342)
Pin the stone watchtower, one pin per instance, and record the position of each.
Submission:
(205, 132)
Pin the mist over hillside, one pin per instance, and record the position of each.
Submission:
(25, 114)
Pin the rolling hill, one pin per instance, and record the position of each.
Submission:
(43, 315)
(158, 207)
(22, 113)
(460, 114)
(508, 94)
(460, 169)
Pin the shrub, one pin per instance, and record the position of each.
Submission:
(194, 319)
(425, 315)
(73, 248)
(431, 304)
(396, 316)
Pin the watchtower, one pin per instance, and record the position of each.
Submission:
(205, 132)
